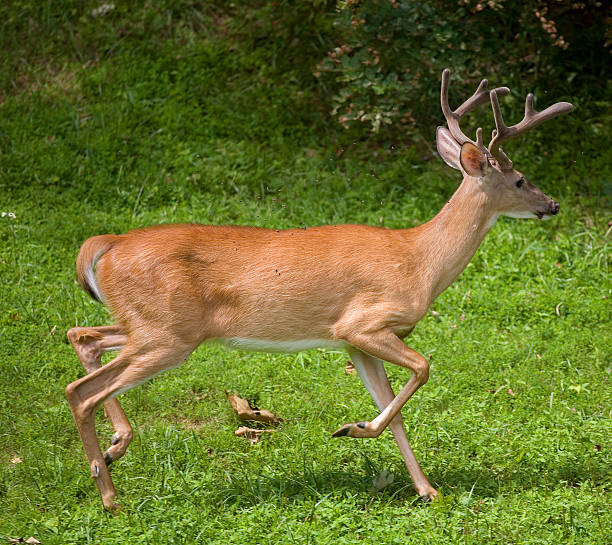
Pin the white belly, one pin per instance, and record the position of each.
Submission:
(263, 345)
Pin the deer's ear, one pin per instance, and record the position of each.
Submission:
(448, 148)
(472, 160)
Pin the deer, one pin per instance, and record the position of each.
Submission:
(359, 288)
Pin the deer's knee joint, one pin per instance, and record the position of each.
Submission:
(421, 370)
(71, 392)
(81, 410)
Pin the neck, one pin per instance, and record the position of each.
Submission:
(451, 238)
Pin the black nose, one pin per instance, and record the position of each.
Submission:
(554, 208)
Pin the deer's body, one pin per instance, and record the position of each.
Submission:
(357, 287)
(229, 278)
(311, 284)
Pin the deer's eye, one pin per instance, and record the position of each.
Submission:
(520, 182)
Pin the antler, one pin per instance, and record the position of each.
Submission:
(532, 119)
(453, 117)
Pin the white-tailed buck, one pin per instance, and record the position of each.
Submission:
(172, 287)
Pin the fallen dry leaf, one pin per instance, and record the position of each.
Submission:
(251, 434)
(245, 412)
(349, 368)
(31, 540)
(16, 460)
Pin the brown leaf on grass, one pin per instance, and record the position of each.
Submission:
(31, 540)
(245, 412)
(349, 368)
(251, 434)
(16, 460)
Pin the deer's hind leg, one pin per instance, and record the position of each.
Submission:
(90, 343)
(136, 363)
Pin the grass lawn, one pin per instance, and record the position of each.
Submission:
(514, 425)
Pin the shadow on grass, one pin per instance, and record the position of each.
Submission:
(295, 486)
(481, 483)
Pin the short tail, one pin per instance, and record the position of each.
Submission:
(91, 251)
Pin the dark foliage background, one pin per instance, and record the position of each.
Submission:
(389, 54)
(374, 65)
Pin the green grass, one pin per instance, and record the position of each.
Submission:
(514, 425)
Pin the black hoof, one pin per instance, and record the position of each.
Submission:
(108, 459)
(342, 432)
(425, 498)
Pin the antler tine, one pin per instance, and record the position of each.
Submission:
(497, 137)
(479, 141)
(530, 120)
(480, 96)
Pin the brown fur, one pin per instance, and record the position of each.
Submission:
(172, 287)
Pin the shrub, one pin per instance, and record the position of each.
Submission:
(386, 65)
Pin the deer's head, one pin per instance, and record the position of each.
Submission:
(509, 192)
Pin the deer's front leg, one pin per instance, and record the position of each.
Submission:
(386, 346)
(372, 373)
